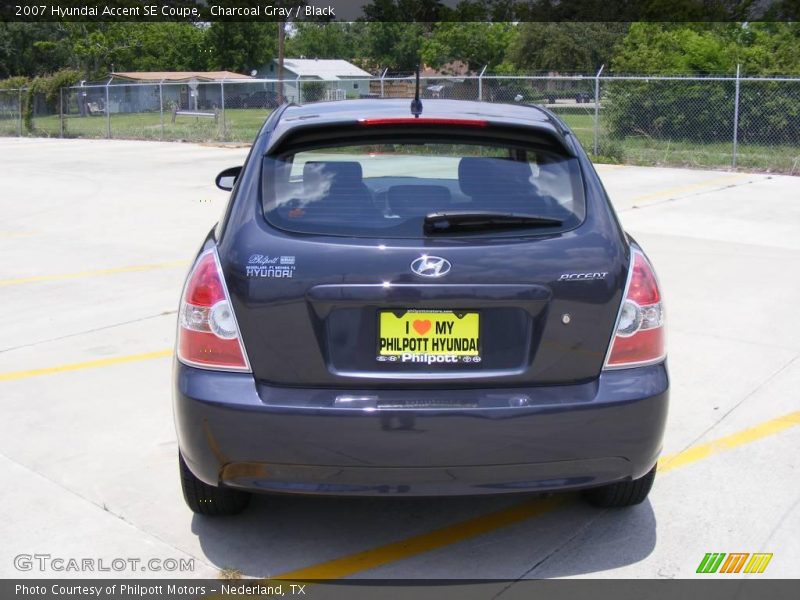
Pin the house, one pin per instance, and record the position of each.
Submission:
(455, 68)
(342, 79)
(194, 90)
(451, 80)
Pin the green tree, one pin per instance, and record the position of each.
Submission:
(327, 40)
(710, 48)
(396, 30)
(686, 49)
(99, 48)
(394, 45)
(769, 112)
(564, 47)
(241, 47)
(168, 46)
(774, 50)
(478, 44)
(31, 49)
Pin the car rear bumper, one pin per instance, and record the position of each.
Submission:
(238, 433)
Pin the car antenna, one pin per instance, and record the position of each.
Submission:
(416, 103)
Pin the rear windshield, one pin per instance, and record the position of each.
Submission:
(388, 190)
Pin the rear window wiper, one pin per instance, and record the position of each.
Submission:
(445, 222)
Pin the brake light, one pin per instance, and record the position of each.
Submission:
(208, 335)
(639, 338)
(424, 121)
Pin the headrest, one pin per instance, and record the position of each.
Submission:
(336, 170)
(480, 176)
(418, 200)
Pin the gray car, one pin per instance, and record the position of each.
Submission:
(418, 301)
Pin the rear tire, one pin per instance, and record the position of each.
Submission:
(210, 500)
(622, 493)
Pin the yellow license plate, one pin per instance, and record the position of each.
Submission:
(429, 336)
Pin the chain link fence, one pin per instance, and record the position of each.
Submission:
(673, 121)
(10, 113)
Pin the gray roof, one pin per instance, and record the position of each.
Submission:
(323, 68)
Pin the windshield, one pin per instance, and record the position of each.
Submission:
(388, 190)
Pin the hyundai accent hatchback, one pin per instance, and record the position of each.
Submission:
(418, 304)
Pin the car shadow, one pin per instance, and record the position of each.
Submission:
(610, 539)
(278, 534)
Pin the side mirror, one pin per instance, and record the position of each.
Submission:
(227, 178)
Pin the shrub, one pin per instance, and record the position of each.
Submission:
(49, 87)
(699, 111)
(609, 151)
(313, 91)
(702, 111)
(13, 83)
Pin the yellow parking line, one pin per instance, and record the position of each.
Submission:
(445, 536)
(79, 274)
(693, 187)
(746, 436)
(89, 364)
(451, 534)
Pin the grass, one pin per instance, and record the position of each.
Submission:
(651, 152)
(644, 151)
(242, 125)
(238, 125)
(8, 127)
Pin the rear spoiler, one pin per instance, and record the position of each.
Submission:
(547, 136)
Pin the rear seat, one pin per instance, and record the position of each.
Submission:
(497, 184)
(418, 200)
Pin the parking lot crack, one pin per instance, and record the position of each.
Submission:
(577, 533)
(779, 525)
(747, 396)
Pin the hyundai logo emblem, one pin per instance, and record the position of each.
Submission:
(431, 266)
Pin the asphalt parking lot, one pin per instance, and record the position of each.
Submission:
(95, 239)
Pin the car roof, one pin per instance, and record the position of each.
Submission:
(351, 111)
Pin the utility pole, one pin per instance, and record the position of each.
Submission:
(281, 42)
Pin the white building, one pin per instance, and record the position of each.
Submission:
(341, 79)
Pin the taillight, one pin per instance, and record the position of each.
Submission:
(639, 338)
(208, 335)
(423, 121)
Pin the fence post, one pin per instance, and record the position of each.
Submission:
(299, 91)
(383, 75)
(161, 105)
(480, 84)
(19, 111)
(108, 112)
(597, 108)
(222, 105)
(61, 112)
(736, 119)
